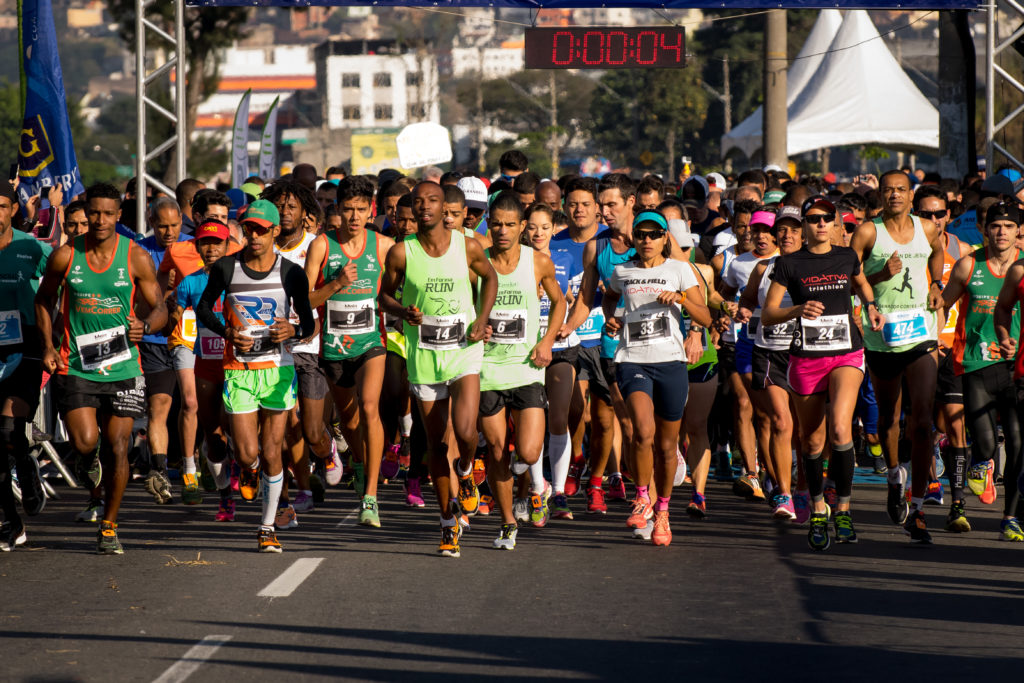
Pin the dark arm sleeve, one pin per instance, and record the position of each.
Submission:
(296, 288)
(780, 273)
(220, 278)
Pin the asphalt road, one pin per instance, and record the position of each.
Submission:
(734, 597)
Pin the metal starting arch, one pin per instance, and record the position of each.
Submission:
(1000, 13)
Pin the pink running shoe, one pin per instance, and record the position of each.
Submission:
(801, 506)
(389, 465)
(226, 510)
(413, 495)
(616, 488)
(784, 510)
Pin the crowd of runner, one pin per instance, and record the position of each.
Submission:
(516, 343)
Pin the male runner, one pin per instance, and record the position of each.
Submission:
(344, 268)
(900, 252)
(260, 290)
(440, 269)
(98, 373)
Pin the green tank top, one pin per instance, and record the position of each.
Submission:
(710, 354)
(438, 349)
(903, 298)
(975, 344)
(515, 329)
(96, 306)
(351, 326)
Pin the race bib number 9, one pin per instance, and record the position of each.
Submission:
(350, 317)
(508, 327)
(102, 349)
(826, 333)
(443, 332)
(905, 327)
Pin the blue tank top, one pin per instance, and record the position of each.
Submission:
(607, 259)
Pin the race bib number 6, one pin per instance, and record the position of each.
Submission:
(508, 327)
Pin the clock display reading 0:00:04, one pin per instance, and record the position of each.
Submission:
(578, 47)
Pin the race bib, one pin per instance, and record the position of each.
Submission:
(263, 350)
(905, 327)
(10, 328)
(826, 333)
(351, 317)
(508, 327)
(211, 345)
(443, 332)
(188, 326)
(779, 334)
(645, 328)
(590, 330)
(102, 349)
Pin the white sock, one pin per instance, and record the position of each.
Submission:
(560, 452)
(537, 477)
(272, 487)
(190, 464)
(405, 424)
(221, 472)
(463, 473)
(917, 503)
(897, 475)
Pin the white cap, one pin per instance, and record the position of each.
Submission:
(772, 167)
(680, 230)
(716, 181)
(475, 191)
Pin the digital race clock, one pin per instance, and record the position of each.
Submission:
(605, 47)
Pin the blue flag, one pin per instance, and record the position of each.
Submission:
(46, 155)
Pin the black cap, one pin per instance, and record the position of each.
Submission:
(7, 190)
(996, 185)
(1002, 211)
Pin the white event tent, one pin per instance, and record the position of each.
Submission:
(858, 94)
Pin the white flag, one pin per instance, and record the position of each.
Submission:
(268, 144)
(239, 143)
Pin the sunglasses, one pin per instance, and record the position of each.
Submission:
(932, 215)
(642, 235)
(819, 217)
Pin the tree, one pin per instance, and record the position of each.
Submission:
(206, 31)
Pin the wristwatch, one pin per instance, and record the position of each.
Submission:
(145, 327)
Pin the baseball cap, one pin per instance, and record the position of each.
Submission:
(762, 218)
(475, 191)
(261, 212)
(817, 201)
(251, 189)
(7, 190)
(849, 219)
(680, 230)
(212, 228)
(788, 213)
(771, 167)
(830, 178)
(695, 185)
(1002, 211)
(773, 196)
(716, 181)
(650, 217)
(998, 184)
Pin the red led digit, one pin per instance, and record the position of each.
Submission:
(610, 49)
(653, 47)
(589, 38)
(566, 46)
(677, 48)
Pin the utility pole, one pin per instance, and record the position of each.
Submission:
(725, 97)
(956, 93)
(773, 134)
(553, 139)
(481, 147)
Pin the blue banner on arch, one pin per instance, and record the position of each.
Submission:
(575, 4)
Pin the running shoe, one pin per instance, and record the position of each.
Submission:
(644, 533)
(1011, 531)
(480, 471)
(559, 506)
(595, 501)
(830, 493)
(404, 458)
(977, 477)
(286, 518)
(933, 495)
(469, 495)
(190, 493)
(369, 515)
(572, 482)
(389, 465)
(413, 494)
(661, 534)
(333, 468)
(12, 535)
(917, 529)
(486, 505)
(88, 469)
(106, 540)
(266, 541)
(159, 486)
(879, 465)
(521, 510)
(248, 482)
(226, 510)
(697, 507)
(642, 511)
(817, 535)
(303, 502)
(940, 464)
(33, 497)
(506, 539)
(784, 508)
(450, 536)
(802, 506)
(616, 488)
(896, 502)
(748, 486)
(988, 496)
(92, 513)
(538, 511)
(681, 476)
(956, 520)
(723, 466)
(845, 532)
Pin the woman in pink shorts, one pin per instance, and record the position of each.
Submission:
(826, 362)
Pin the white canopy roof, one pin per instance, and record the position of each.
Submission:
(747, 134)
(857, 94)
